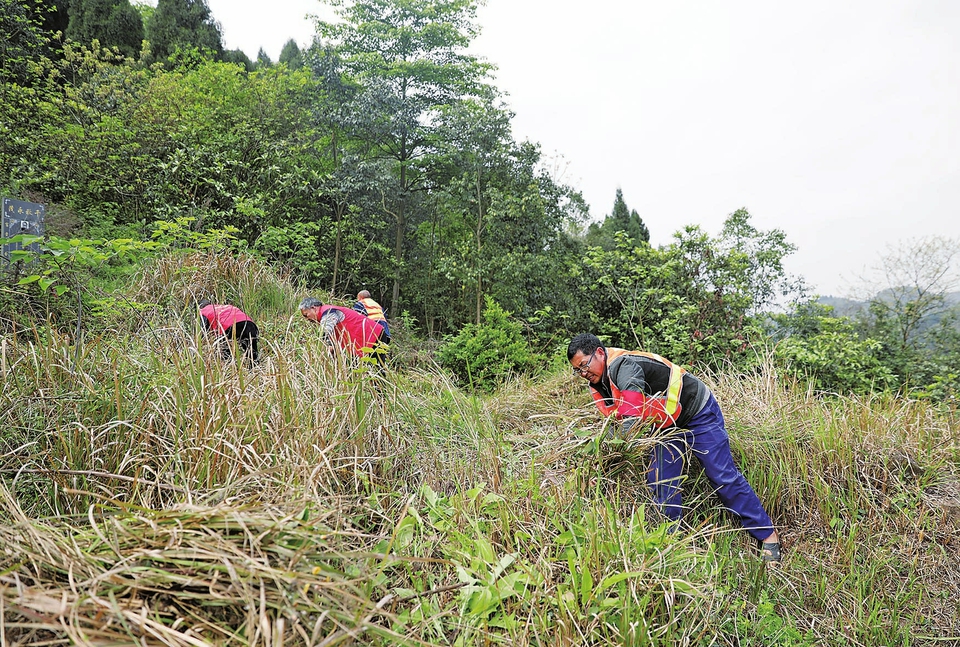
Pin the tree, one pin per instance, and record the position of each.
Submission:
(114, 23)
(468, 167)
(910, 285)
(54, 15)
(496, 225)
(908, 337)
(146, 10)
(406, 56)
(182, 24)
(263, 59)
(628, 221)
(814, 345)
(694, 299)
(239, 57)
(24, 38)
(488, 352)
(621, 219)
(913, 313)
(291, 55)
(759, 273)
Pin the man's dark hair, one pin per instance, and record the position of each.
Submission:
(203, 303)
(587, 343)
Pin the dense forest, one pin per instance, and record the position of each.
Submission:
(465, 494)
(381, 157)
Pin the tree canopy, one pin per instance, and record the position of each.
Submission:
(182, 24)
(114, 23)
(381, 157)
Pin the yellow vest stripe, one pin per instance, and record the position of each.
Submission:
(675, 382)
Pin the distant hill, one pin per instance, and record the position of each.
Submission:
(843, 307)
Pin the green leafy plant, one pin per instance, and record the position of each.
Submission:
(829, 351)
(486, 354)
(60, 263)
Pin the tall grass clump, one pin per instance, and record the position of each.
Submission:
(152, 493)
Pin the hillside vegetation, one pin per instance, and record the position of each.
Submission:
(152, 494)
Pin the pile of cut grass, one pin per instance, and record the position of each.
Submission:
(189, 576)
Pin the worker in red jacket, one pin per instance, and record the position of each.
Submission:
(351, 331)
(232, 325)
(644, 390)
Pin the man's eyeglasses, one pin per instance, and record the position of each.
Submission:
(585, 364)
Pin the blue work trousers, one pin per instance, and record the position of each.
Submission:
(706, 437)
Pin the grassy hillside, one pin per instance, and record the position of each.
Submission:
(152, 494)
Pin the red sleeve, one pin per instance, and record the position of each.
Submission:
(627, 374)
(645, 407)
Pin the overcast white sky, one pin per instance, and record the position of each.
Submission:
(836, 121)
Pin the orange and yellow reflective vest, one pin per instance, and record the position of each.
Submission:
(663, 408)
(374, 311)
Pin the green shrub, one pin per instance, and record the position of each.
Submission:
(835, 359)
(486, 354)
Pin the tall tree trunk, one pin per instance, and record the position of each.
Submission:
(401, 225)
(336, 248)
(398, 258)
(339, 208)
(476, 266)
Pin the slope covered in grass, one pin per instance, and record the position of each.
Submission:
(153, 494)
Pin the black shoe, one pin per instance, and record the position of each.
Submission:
(770, 552)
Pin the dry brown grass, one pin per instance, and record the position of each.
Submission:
(153, 494)
(191, 575)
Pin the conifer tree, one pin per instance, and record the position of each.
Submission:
(239, 57)
(263, 59)
(629, 221)
(184, 24)
(621, 219)
(291, 55)
(114, 23)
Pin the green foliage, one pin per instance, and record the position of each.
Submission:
(486, 354)
(60, 258)
(120, 144)
(145, 9)
(114, 23)
(301, 164)
(62, 263)
(397, 508)
(907, 338)
(182, 24)
(239, 57)
(829, 352)
(77, 142)
(67, 283)
(179, 234)
(693, 300)
(621, 219)
(296, 246)
(24, 39)
(406, 60)
(935, 373)
(498, 225)
(291, 56)
(263, 59)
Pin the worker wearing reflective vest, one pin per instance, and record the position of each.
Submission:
(366, 305)
(646, 389)
(346, 328)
